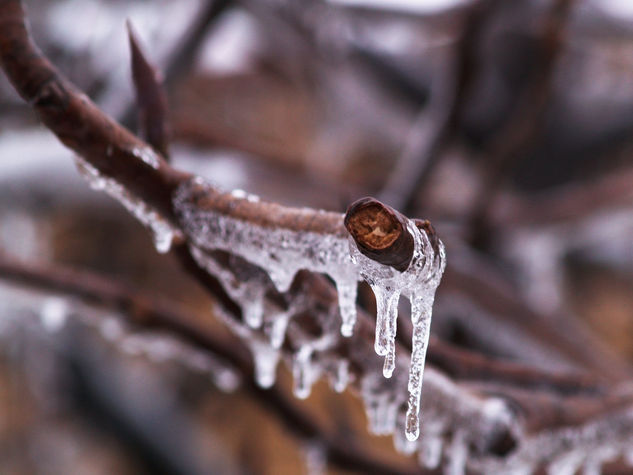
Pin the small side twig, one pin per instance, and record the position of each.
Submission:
(150, 97)
(524, 123)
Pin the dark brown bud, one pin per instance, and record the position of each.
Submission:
(380, 232)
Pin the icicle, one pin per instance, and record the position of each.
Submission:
(421, 318)
(458, 454)
(163, 232)
(347, 289)
(277, 328)
(430, 451)
(386, 321)
(341, 378)
(304, 372)
(249, 294)
(381, 404)
(266, 359)
(301, 370)
(54, 313)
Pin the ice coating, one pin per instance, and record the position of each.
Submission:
(248, 293)
(162, 231)
(418, 283)
(282, 252)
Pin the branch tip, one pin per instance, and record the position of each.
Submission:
(380, 232)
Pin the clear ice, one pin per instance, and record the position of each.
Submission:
(162, 231)
(418, 283)
(281, 253)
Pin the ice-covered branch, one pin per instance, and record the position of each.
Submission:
(262, 261)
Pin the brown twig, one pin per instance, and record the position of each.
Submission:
(438, 121)
(150, 97)
(525, 122)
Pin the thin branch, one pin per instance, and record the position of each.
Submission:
(437, 122)
(526, 120)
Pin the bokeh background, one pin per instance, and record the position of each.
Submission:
(513, 136)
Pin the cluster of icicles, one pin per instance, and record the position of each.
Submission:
(281, 253)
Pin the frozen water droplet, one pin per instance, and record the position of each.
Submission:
(226, 380)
